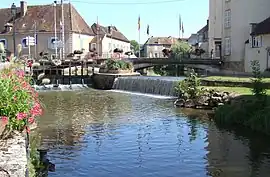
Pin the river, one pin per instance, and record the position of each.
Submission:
(94, 133)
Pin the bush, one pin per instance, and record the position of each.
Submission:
(249, 111)
(19, 104)
(190, 87)
(258, 90)
(116, 64)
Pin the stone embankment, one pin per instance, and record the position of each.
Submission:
(13, 156)
(209, 100)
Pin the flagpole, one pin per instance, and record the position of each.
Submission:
(179, 26)
(182, 30)
(139, 25)
(97, 39)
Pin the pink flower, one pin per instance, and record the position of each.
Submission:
(4, 120)
(31, 120)
(21, 116)
(36, 110)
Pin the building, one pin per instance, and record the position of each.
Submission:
(215, 25)
(258, 45)
(237, 18)
(107, 39)
(203, 38)
(40, 18)
(154, 45)
(193, 40)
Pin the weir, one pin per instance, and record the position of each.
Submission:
(148, 84)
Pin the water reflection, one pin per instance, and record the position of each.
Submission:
(237, 152)
(97, 133)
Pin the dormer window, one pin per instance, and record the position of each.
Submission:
(8, 27)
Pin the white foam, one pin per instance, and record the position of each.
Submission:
(143, 94)
(51, 87)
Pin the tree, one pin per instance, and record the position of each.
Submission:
(180, 48)
(135, 45)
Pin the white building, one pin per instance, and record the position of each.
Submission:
(107, 39)
(215, 26)
(238, 15)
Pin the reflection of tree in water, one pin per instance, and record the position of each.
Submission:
(67, 114)
(233, 153)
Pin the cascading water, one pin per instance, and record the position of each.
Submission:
(150, 85)
(60, 87)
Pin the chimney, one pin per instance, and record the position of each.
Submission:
(23, 8)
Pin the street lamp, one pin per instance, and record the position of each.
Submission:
(14, 13)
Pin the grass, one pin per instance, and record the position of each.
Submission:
(239, 90)
(233, 79)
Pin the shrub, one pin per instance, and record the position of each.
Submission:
(19, 104)
(258, 90)
(114, 64)
(189, 87)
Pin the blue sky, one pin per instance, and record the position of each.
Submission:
(163, 18)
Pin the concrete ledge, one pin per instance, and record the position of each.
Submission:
(105, 81)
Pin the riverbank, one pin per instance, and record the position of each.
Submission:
(232, 102)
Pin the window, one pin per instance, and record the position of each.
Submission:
(93, 46)
(53, 42)
(256, 41)
(227, 19)
(227, 46)
(156, 55)
(4, 41)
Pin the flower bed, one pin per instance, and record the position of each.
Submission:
(19, 104)
(116, 66)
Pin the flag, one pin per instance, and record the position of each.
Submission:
(147, 31)
(182, 27)
(139, 23)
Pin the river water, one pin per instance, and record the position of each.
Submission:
(95, 133)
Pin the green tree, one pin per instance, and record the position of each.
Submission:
(135, 45)
(181, 48)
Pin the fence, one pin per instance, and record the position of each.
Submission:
(71, 72)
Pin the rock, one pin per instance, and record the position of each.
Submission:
(179, 102)
(190, 103)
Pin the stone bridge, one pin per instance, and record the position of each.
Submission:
(205, 64)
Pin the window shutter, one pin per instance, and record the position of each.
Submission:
(251, 41)
(259, 38)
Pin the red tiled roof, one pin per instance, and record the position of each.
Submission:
(43, 15)
(262, 27)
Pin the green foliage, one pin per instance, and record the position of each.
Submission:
(115, 64)
(258, 89)
(19, 102)
(181, 48)
(190, 87)
(135, 45)
(249, 111)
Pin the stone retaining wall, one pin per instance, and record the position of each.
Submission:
(13, 156)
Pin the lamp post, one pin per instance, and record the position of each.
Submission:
(14, 13)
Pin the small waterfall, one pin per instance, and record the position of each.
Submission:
(150, 85)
